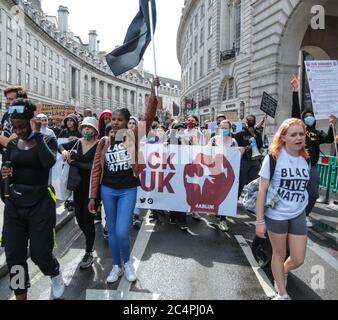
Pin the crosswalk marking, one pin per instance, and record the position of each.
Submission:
(261, 276)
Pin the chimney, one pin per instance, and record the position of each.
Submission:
(63, 14)
(92, 45)
(140, 67)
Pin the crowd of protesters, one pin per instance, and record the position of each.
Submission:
(102, 152)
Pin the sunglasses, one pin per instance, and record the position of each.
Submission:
(17, 109)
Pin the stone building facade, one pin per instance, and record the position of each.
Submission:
(231, 51)
(56, 67)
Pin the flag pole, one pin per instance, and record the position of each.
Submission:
(152, 40)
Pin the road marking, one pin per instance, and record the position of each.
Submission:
(261, 276)
(329, 259)
(123, 290)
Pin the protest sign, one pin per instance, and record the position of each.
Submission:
(190, 179)
(268, 105)
(323, 82)
(56, 111)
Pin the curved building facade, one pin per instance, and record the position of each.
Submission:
(231, 51)
(56, 67)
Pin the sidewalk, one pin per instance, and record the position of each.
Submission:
(325, 221)
(62, 217)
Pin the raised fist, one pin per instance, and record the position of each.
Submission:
(208, 181)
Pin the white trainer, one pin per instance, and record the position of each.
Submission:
(129, 272)
(114, 274)
(283, 297)
(58, 286)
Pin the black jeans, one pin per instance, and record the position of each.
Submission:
(36, 224)
(84, 218)
(248, 172)
(312, 189)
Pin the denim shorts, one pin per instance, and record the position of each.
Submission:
(296, 226)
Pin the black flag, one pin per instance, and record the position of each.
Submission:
(135, 43)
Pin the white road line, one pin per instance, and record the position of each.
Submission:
(261, 276)
(329, 259)
(123, 290)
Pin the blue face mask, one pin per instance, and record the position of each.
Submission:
(225, 133)
(309, 121)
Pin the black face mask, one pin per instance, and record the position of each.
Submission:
(251, 124)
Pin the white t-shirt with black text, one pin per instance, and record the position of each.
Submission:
(290, 180)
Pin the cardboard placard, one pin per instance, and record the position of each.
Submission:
(269, 105)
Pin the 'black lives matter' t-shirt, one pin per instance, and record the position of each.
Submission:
(290, 180)
(118, 171)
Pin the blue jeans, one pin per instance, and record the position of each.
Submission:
(119, 206)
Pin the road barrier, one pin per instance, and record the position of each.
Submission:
(327, 168)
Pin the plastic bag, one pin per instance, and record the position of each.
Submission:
(64, 192)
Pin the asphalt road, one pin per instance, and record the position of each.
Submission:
(201, 264)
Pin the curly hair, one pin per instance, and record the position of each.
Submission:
(125, 113)
(277, 142)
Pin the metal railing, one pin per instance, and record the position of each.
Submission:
(327, 168)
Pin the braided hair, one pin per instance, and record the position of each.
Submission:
(125, 113)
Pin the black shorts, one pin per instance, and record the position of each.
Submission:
(296, 226)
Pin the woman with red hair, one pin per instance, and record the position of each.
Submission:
(287, 220)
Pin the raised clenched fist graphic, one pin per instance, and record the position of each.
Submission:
(208, 181)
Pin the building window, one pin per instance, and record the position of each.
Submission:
(195, 21)
(36, 85)
(18, 77)
(101, 87)
(190, 76)
(57, 74)
(9, 46)
(19, 52)
(50, 91)
(209, 59)
(58, 59)
(63, 93)
(28, 38)
(9, 73)
(36, 45)
(190, 29)
(28, 81)
(190, 49)
(210, 27)
(109, 91)
(195, 44)
(43, 87)
(43, 67)
(93, 87)
(202, 37)
(201, 66)
(237, 35)
(19, 32)
(117, 94)
(125, 95)
(225, 93)
(132, 98)
(44, 50)
(9, 23)
(51, 71)
(57, 93)
(231, 89)
(28, 58)
(202, 11)
(51, 55)
(195, 71)
(36, 63)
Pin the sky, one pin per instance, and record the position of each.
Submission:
(111, 19)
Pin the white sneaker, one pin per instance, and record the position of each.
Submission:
(223, 226)
(309, 224)
(114, 274)
(283, 297)
(129, 272)
(58, 286)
